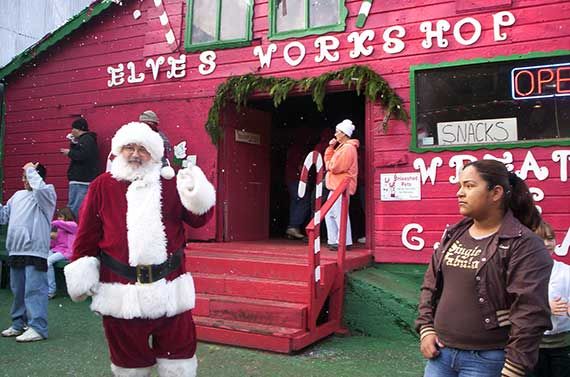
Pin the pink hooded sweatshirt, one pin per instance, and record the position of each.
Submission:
(63, 242)
(342, 162)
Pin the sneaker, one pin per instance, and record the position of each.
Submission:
(361, 240)
(294, 233)
(51, 295)
(30, 335)
(10, 332)
(333, 247)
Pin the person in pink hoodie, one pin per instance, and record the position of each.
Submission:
(341, 161)
(62, 237)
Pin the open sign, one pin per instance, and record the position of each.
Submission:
(541, 81)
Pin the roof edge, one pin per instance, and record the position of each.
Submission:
(54, 37)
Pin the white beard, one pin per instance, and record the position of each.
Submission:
(123, 171)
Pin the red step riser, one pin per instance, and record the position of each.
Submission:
(243, 339)
(256, 269)
(248, 312)
(268, 290)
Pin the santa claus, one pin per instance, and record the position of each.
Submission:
(129, 256)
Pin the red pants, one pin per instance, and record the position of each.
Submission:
(129, 345)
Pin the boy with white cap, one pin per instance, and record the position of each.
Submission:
(341, 161)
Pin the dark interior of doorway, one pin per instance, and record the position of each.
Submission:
(298, 121)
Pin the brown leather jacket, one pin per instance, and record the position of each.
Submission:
(512, 284)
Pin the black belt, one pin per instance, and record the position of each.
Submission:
(147, 273)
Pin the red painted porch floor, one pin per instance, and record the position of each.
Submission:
(255, 294)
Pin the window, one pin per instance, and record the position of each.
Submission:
(497, 104)
(218, 24)
(297, 18)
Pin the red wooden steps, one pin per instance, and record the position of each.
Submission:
(255, 294)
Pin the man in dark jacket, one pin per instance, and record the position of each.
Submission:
(83, 167)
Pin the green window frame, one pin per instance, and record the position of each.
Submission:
(307, 30)
(218, 42)
(466, 147)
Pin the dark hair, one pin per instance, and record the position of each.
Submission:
(516, 195)
(66, 213)
(42, 171)
(80, 124)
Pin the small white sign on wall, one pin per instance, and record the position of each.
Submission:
(400, 186)
(482, 131)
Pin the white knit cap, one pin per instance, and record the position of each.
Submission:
(346, 127)
(138, 133)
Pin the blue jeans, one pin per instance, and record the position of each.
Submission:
(52, 259)
(453, 362)
(299, 208)
(77, 192)
(30, 290)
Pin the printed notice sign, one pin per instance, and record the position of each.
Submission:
(400, 186)
(484, 131)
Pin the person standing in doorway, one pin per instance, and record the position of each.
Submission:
(28, 214)
(150, 118)
(84, 162)
(299, 208)
(341, 162)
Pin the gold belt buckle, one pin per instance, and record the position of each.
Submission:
(140, 270)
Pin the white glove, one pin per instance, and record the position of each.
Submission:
(185, 179)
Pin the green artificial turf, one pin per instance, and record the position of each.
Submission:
(381, 345)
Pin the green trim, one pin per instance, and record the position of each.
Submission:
(217, 43)
(51, 39)
(274, 35)
(521, 144)
(237, 89)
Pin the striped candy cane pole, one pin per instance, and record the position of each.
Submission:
(363, 13)
(168, 33)
(313, 158)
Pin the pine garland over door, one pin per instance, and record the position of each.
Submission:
(238, 89)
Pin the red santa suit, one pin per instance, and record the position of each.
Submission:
(138, 221)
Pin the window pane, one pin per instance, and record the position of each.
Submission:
(290, 15)
(234, 20)
(477, 104)
(204, 21)
(323, 13)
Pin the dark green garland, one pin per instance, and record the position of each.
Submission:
(365, 80)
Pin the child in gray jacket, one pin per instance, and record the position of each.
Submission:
(28, 214)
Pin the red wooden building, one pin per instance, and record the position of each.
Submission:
(479, 79)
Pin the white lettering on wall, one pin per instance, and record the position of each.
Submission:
(294, 62)
(537, 195)
(326, 44)
(529, 164)
(265, 57)
(476, 33)
(154, 65)
(177, 67)
(431, 172)
(133, 77)
(507, 159)
(419, 243)
(393, 45)
(502, 19)
(458, 162)
(208, 59)
(440, 26)
(562, 249)
(563, 157)
(358, 40)
(117, 75)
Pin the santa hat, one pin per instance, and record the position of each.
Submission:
(346, 127)
(138, 133)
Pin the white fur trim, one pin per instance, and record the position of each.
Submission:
(145, 230)
(167, 172)
(197, 194)
(130, 372)
(177, 367)
(150, 301)
(82, 277)
(138, 133)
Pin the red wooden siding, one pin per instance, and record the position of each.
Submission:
(71, 78)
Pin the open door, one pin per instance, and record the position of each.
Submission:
(245, 174)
